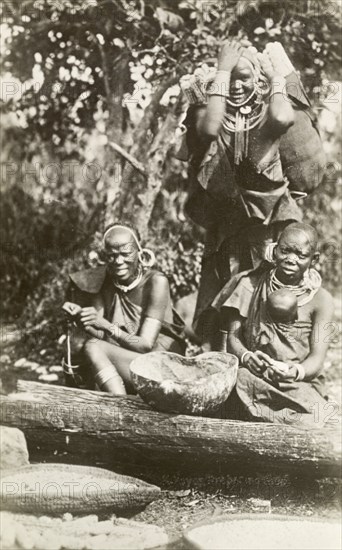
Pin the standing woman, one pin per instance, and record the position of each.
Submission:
(125, 310)
(239, 192)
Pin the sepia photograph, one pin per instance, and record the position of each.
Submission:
(171, 305)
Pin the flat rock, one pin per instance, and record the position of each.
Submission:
(13, 452)
(71, 488)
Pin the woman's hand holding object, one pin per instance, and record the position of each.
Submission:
(90, 317)
(282, 372)
(279, 58)
(256, 362)
(71, 309)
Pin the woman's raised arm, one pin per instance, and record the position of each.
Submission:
(280, 111)
(209, 123)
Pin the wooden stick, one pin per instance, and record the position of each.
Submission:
(133, 161)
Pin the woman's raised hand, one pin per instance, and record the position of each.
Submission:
(229, 55)
(267, 65)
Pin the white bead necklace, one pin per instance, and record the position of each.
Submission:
(127, 288)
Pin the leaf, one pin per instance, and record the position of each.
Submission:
(259, 30)
(118, 42)
(168, 19)
(192, 503)
(259, 503)
(180, 494)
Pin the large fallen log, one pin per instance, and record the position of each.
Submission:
(123, 433)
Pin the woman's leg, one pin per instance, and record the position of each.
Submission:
(110, 365)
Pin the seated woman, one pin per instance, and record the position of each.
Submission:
(279, 378)
(124, 309)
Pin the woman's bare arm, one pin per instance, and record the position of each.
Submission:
(257, 361)
(319, 342)
(280, 112)
(209, 122)
(321, 329)
(153, 312)
(232, 323)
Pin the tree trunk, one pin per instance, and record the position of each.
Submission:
(139, 189)
(115, 88)
(83, 427)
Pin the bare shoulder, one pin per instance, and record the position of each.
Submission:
(158, 282)
(323, 302)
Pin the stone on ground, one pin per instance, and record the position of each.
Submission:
(13, 448)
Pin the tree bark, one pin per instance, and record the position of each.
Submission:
(138, 192)
(115, 87)
(83, 427)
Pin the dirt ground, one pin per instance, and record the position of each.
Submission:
(182, 508)
(186, 501)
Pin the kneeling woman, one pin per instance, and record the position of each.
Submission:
(125, 310)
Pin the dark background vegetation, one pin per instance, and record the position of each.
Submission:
(62, 181)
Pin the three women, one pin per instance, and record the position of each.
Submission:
(242, 197)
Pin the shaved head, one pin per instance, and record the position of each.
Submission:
(301, 229)
(121, 251)
(119, 235)
(295, 252)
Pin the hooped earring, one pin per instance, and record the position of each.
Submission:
(94, 259)
(269, 253)
(262, 86)
(146, 257)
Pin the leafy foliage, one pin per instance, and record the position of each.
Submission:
(323, 211)
(80, 47)
(67, 57)
(37, 237)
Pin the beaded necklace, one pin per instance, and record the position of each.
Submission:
(304, 291)
(133, 284)
(239, 122)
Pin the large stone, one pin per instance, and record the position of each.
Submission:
(13, 448)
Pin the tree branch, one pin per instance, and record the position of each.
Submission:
(152, 108)
(132, 160)
(106, 78)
